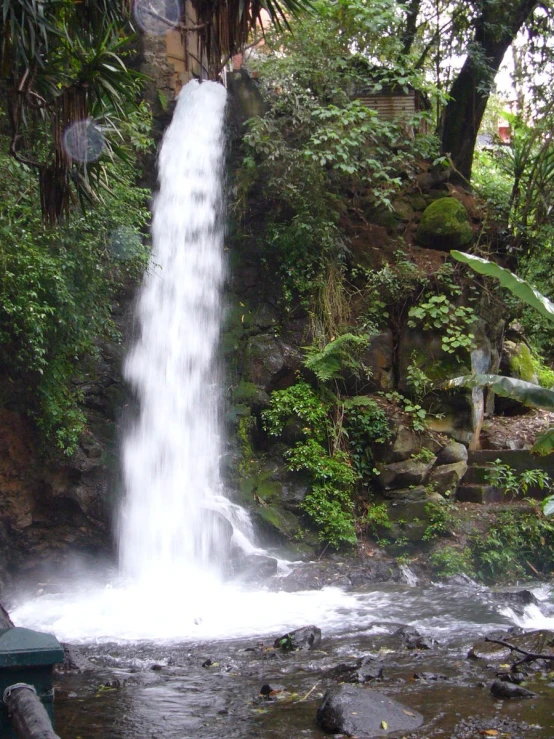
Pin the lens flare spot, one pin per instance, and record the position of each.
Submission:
(157, 17)
(83, 141)
(125, 243)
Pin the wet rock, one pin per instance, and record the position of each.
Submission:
(369, 669)
(364, 670)
(265, 360)
(502, 689)
(256, 566)
(412, 639)
(5, 620)
(405, 444)
(356, 711)
(379, 360)
(537, 642)
(74, 661)
(306, 638)
(452, 453)
(518, 600)
(512, 677)
(462, 581)
(429, 676)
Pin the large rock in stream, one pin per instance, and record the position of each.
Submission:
(360, 712)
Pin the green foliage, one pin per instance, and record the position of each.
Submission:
(365, 424)
(317, 142)
(442, 519)
(417, 380)
(329, 502)
(438, 313)
(298, 401)
(544, 373)
(516, 285)
(509, 387)
(338, 355)
(413, 409)
(515, 541)
(424, 455)
(57, 288)
(503, 476)
(377, 517)
(449, 561)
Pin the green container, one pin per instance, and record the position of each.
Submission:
(27, 657)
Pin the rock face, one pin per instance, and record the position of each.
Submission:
(359, 712)
(47, 509)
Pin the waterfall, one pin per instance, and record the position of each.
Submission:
(175, 516)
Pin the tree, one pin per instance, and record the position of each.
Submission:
(495, 28)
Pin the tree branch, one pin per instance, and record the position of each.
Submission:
(529, 656)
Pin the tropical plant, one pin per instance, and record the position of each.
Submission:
(339, 355)
(525, 392)
(65, 87)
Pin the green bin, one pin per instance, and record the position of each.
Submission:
(27, 656)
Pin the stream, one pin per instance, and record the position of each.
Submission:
(193, 682)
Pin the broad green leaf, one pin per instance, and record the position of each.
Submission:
(508, 387)
(548, 505)
(544, 443)
(520, 288)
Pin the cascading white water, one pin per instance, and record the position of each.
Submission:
(175, 516)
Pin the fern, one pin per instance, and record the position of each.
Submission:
(335, 357)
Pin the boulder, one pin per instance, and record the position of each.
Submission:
(356, 711)
(502, 689)
(451, 453)
(444, 225)
(446, 478)
(405, 444)
(306, 638)
(407, 495)
(403, 474)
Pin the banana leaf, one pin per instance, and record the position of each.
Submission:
(508, 387)
(548, 505)
(544, 443)
(520, 288)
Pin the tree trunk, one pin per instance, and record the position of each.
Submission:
(495, 30)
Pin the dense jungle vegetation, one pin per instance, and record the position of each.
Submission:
(321, 168)
(316, 171)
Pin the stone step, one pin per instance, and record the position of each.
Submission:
(481, 494)
(476, 474)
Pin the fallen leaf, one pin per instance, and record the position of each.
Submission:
(408, 713)
(490, 732)
(384, 725)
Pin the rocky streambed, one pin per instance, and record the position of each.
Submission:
(391, 651)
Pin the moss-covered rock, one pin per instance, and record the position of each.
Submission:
(520, 361)
(444, 225)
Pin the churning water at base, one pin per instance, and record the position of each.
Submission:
(176, 522)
